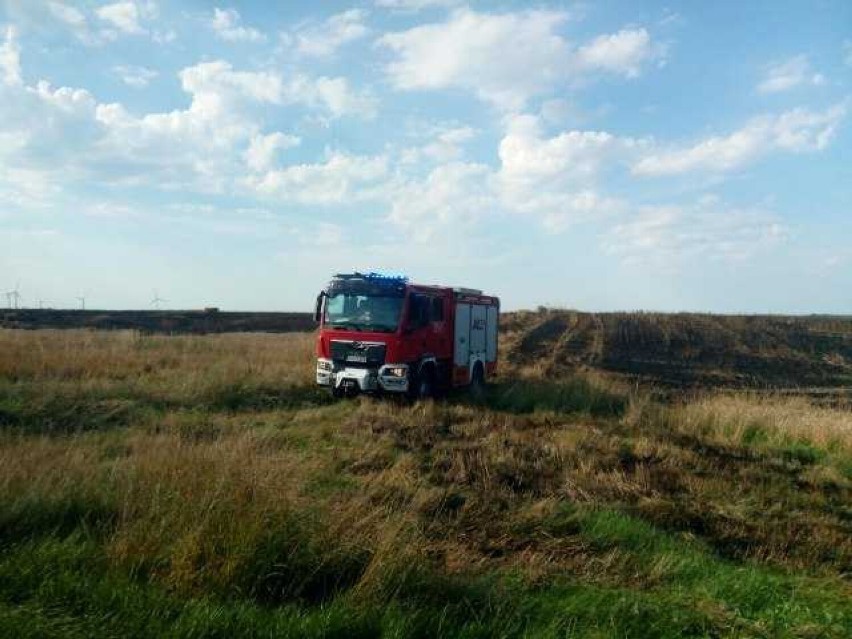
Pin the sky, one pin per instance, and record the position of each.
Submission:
(619, 155)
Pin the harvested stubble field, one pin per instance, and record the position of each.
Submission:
(201, 486)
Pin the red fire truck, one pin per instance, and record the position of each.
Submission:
(383, 334)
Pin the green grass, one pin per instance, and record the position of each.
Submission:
(64, 586)
(573, 395)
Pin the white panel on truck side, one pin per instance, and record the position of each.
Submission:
(491, 334)
(477, 329)
(461, 351)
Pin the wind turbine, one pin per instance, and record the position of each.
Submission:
(13, 297)
(157, 300)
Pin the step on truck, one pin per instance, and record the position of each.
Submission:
(382, 334)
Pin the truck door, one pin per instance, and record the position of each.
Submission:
(461, 349)
(491, 330)
(426, 327)
(478, 327)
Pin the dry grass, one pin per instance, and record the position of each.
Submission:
(230, 479)
(131, 356)
(770, 419)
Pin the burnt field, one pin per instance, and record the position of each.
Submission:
(170, 322)
(812, 353)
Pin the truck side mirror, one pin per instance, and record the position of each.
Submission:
(318, 307)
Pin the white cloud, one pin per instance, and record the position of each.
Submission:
(560, 211)
(214, 85)
(525, 155)
(324, 39)
(134, 76)
(42, 131)
(624, 52)
(67, 99)
(66, 134)
(126, 15)
(415, 5)
(164, 37)
(550, 179)
(451, 196)
(448, 144)
(442, 142)
(10, 58)
(197, 147)
(799, 130)
(340, 179)
(555, 179)
(790, 74)
(77, 21)
(69, 15)
(664, 235)
(226, 24)
(671, 18)
(262, 149)
(26, 188)
(469, 51)
(333, 96)
(506, 58)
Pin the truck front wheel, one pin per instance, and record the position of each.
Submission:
(424, 384)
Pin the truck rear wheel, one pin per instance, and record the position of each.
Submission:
(477, 383)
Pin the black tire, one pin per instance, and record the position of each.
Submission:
(477, 383)
(424, 384)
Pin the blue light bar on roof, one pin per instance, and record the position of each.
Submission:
(385, 278)
(378, 278)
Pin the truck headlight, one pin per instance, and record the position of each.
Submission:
(324, 365)
(397, 371)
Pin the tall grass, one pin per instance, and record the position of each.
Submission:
(768, 420)
(65, 381)
(226, 498)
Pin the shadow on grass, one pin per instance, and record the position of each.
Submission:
(574, 395)
(255, 397)
(34, 517)
(39, 411)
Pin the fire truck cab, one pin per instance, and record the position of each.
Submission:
(383, 334)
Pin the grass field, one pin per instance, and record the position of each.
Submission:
(200, 486)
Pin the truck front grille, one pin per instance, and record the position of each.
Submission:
(358, 354)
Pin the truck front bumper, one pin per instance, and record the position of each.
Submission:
(391, 378)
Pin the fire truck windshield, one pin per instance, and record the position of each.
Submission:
(361, 312)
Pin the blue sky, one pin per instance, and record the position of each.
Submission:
(599, 156)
